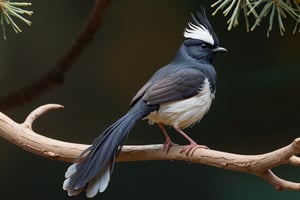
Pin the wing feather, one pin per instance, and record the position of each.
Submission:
(181, 84)
(140, 93)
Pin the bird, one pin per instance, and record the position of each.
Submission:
(178, 95)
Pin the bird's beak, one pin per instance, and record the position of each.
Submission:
(218, 49)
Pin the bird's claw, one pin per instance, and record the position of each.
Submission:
(191, 148)
(167, 146)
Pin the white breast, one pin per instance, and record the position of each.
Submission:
(186, 112)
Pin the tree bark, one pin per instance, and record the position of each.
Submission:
(22, 135)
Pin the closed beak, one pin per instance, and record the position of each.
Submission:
(218, 49)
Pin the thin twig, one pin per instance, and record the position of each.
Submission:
(55, 76)
(260, 165)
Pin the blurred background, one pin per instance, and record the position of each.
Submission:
(256, 109)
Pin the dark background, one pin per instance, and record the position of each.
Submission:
(256, 108)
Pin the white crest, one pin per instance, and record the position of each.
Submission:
(198, 32)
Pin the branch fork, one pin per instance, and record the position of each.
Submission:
(22, 135)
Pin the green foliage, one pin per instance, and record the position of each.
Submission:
(259, 9)
(9, 9)
(256, 9)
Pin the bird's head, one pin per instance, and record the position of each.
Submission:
(202, 41)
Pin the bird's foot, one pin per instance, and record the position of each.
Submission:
(191, 148)
(167, 145)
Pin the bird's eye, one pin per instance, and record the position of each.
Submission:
(204, 46)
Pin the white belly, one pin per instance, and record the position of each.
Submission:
(184, 113)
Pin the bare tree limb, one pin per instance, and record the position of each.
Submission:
(22, 135)
(55, 76)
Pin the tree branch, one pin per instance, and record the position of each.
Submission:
(22, 135)
(55, 76)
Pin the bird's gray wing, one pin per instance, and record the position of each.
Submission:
(141, 92)
(181, 84)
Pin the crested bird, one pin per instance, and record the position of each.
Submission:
(177, 95)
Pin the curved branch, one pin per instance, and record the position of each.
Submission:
(22, 135)
(55, 76)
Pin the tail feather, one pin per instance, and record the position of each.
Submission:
(99, 183)
(93, 172)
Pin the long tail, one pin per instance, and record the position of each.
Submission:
(93, 172)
